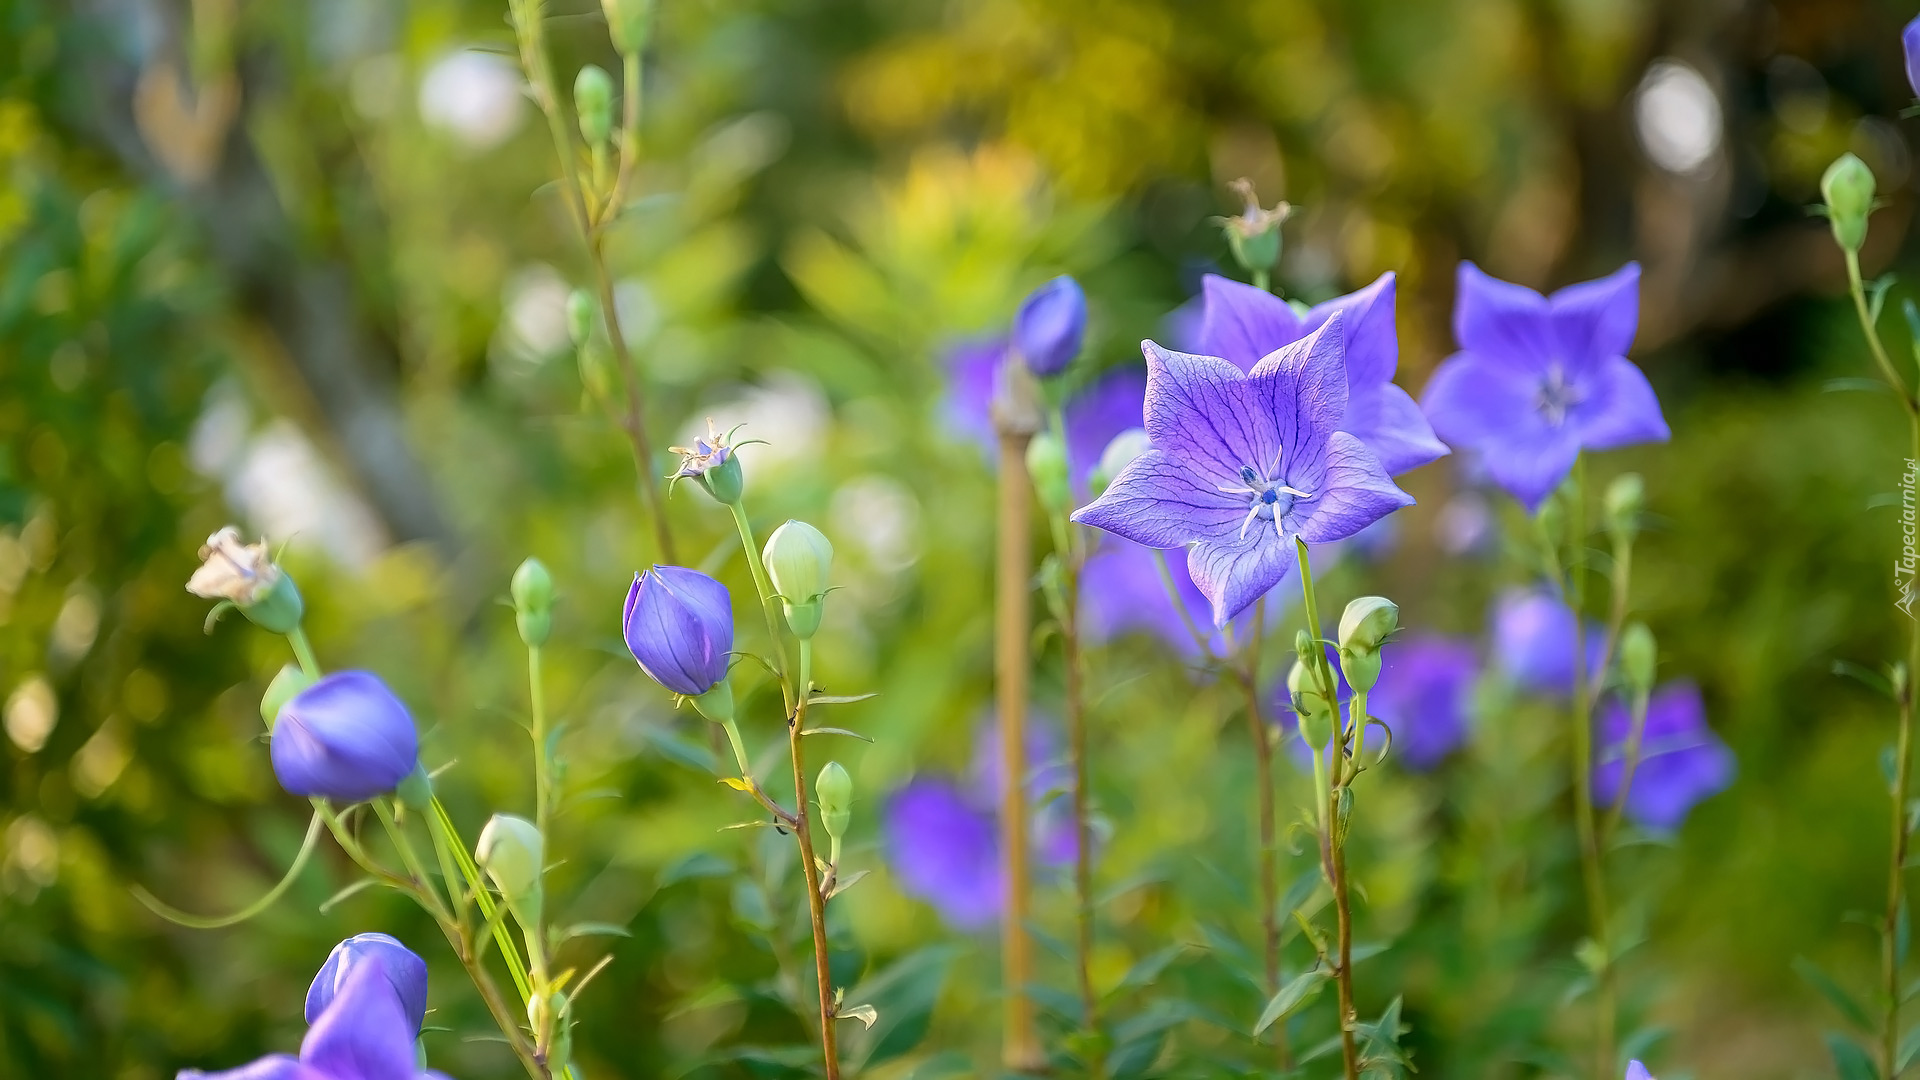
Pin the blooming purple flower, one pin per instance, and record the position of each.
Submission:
(364, 1034)
(679, 626)
(1243, 324)
(1680, 760)
(1240, 463)
(1538, 379)
(346, 738)
(1533, 640)
(1910, 44)
(403, 969)
(1049, 327)
(1423, 693)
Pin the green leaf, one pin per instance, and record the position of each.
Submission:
(904, 994)
(1877, 296)
(1848, 1059)
(699, 864)
(1909, 1046)
(1298, 991)
(1867, 677)
(592, 929)
(838, 699)
(837, 731)
(1841, 1000)
(1147, 969)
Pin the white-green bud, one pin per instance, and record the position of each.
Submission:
(834, 790)
(1119, 454)
(532, 590)
(1638, 657)
(1848, 188)
(1367, 622)
(1311, 709)
(582, 312)
(1047, 468)
(593, 103)
(627, 24)
(511, 852)
(799, 559)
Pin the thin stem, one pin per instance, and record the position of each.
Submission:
(629, 138)
(1013, 570)
(303, 651)
(636, 417)
(1879, 351)
(764, 586)
(1263, 280)
(1265, 800)
(1636, 733)
(542, 767)
(428, 896)
(470, 871)
(816, 903)
(1592, 867)
(1179, 603)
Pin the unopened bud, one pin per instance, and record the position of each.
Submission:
(1047, 467)
(582, 313)
(511, 852)
(1367, 622)
(1119, 454)
(286, 685)
(834, 790)
(532, 590)
(1626, 498)
(1848, 188)
(1312, 711)
(627, 24)
(1638, 657)
(799, 558)
(593, 103)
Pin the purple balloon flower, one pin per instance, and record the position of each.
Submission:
(1048, 328)
(679, 626)
(1423, 693)
(1680, 760)
(1910, 44)
(1240, 463)
(365, 1034)
(1533, 640)
(1243, 324)
(1538, 379)
(405, 971)
(346, 738)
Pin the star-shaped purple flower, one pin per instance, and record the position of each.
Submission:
(1240, 463)
(1539, 379)
(1243, 324)
(1680, 761)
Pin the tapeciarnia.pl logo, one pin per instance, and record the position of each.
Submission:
(1903, 569)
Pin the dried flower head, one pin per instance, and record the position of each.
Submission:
(231, 570)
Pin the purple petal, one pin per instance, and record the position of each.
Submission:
(271, 1067)
(363, 1035)
(945, 851)
(1393, 427)
(1201, 411)
(1506, 323)
(1303, 387)
(402, 967)
(1623, 410)
(1234, 571)
(1423, 693)
(678, 624)
(1533, 632)
(1372, 341)
(1637, 1071)
(346, 738)
(1910, 44)
(1680, 760)
(1530, 473)
(1474, 401)
(1597, 319)
(973, 374)
(1121, 590)
(1354, 493)
(1160, 503)
(1242, 324)
(1048, 328)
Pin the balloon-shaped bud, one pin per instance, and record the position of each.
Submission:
(627, 23)
(799, 559)
(1118, 454)
(1848, 188)
(679, 627)
(246, 576)
(1311, 709)
(532, 590)
(404, 970)
(834, 790)
(582, 312)
(1050, 325)
(1047, 467)
(286, 685)
(1367, 622)
(593, 103)
(1639, 656)
(346, 738)
(511, 852)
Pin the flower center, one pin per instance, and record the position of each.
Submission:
(1556, 397)
(1269, 498)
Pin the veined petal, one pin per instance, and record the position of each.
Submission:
(1303, 387)
(1597, 319)
(1393, 427)
(1372, 340)
(1162, 503)
(1530, 470)
(1622, 409)
(1199, 410)
(1507, 324)
(364, 1034)
(271, 1067)
(1233, 571)
(1241, 323)
(1474, 401)
(1355, 493)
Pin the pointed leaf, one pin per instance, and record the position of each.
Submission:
(1848, 1059)
(1298, 991)
(1841, 1000)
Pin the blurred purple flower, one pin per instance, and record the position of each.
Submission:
(941, 834)
(1423, 694)
(1681, 761)
(973, 377)
(1910, 44)
(1050, 325)
(679, 627)
(1241, 463)
(1105, 406)
(1533, 640)
(403, 969)
(346, 738)
(364, 1034)
(1243, 324)
(1637, 1071)
(1121, 592)
(1538, 379)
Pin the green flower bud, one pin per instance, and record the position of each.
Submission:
(1254, 234)
(1638, 655)
(1848, 188)
(289, 681)
(717, 703)
(532, 591)
(1626, 498)
(1119, 454)
(582, 312)
(593, 103)
(1312, 711)
(834, 790)
(1047, 466)
(627, 24)
(1366, 623)
(511, 852)
(799, 558)
(1303, 646)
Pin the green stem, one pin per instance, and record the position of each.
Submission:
(1635, 734)
(542, 766)
(810, 868)
(1265, 806)
(203, 922)
(1879, 351)
(1592, 866)
(470, 871)
(429, 897)
(764, 586)
(1263, 280)
(303, 651)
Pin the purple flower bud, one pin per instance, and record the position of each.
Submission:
(1910, 42)
(1050, 325)
(406, 971)
(346, 738)
(679, 627)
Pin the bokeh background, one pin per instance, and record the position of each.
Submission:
(301, 265)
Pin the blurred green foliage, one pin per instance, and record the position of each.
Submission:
(291, 263)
